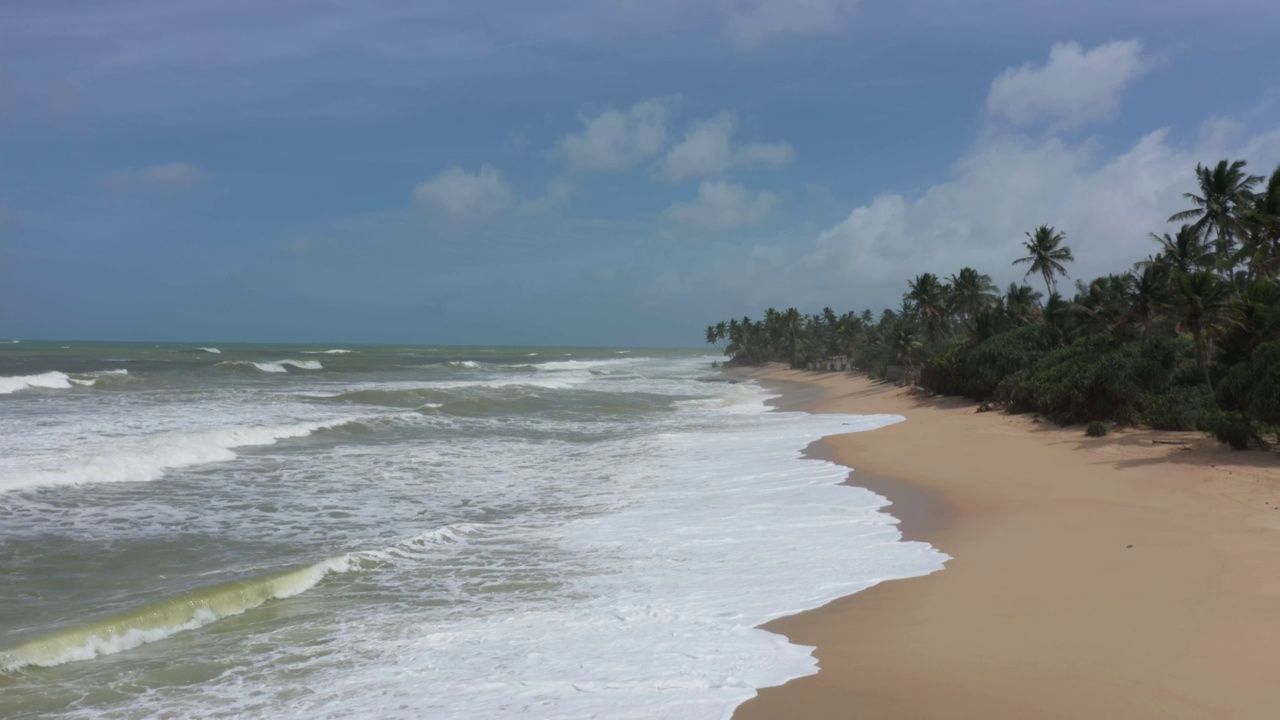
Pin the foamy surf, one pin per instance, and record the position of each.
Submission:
(212, 350)
(52, 380)
(275, 366)
(163, 619)
(152, 457)
(335, 351)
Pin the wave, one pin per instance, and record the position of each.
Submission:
(153, 457)
(336, 351)
(215, 351)
(157, 621)
(91, 379)
(275, 366)
(52, 380)
(463, 363)
(191, 610)
(587, 364)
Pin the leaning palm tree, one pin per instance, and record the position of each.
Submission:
(1226, 193)
(1046, 254)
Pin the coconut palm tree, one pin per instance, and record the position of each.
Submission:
(929, 301)
(1203, 295)
(1262, 248)
(1226, 194)
(792, 327)
(1046, 255)
(1185, 252)
(971, 293)
(1021, 303)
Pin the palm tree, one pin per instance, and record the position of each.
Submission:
(1204, 296)
(1262, 249)
(1147, 292)
(792, 326)
(1185, 252)
(1021, 303)
(1225, 196)
(971, 293)
(1046, 254)
(928, 298)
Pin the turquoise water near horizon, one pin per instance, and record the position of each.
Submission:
(381, 531)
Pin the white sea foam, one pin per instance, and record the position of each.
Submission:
(463, 363)
(90, 379)
(52, 380)
(588, 364)
(213, 350)
(150, 458)
(274, 366)
(335, 351)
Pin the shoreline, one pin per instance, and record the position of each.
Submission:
(1110, 577)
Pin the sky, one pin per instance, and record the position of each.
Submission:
(587, 172)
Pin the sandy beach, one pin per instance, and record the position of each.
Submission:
(1131, 576)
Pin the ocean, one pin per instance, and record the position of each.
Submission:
(411, 532)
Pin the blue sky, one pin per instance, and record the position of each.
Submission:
(614, 172)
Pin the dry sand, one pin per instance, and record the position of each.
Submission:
(1091, 578)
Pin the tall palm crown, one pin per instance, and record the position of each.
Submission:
(971, 293)
(1226, 194)
(1046, 254)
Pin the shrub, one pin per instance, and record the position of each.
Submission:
(1093, 379)
(1180, 408)
(1252, 388)
(1097, 428)
(1234, 429)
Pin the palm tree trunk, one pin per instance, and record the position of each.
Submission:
(1202, 355)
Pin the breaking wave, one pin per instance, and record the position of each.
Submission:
(191, 610)
(336, 351)
(154, 456)
(52, 380)
(275, 366)
(55, 380)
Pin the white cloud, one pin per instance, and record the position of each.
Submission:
(459, 199)
(616, 140)
(170, 175)
(722, 206)
(758, 20)
(1009, 186)
(1074, 87)
(708, 149)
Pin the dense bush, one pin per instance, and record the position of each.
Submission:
(1095, 379)
(1098, 428)
(976, 369)
(1180, 408)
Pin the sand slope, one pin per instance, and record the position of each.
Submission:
(1092, 578)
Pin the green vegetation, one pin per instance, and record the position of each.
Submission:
(1187, 339)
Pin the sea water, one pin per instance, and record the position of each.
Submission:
(411, 532)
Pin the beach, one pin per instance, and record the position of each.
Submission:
(1130, 576)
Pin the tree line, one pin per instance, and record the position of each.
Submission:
(1186, 339)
